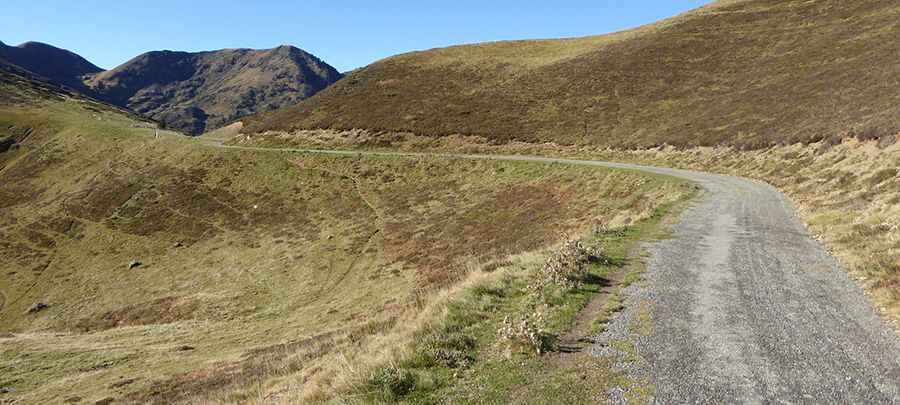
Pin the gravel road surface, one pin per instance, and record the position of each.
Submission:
(746, 307)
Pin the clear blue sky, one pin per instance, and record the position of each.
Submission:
(346, 34)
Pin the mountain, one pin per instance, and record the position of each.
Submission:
(749, 73)
(193, 92)
(55, 64)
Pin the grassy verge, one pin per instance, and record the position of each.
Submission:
(463, 358)
(847, 192)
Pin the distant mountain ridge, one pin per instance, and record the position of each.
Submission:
(193, 92)
(55, 64)
(189, 92)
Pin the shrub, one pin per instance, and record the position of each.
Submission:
(451, 349)
(599, 228)
(528, 331)
(392, 382)
(566, 268)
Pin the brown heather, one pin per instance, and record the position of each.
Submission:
(745, 73)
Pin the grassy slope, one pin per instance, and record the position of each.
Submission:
(258, 268)
(749, 73)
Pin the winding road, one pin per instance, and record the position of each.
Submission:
(745, 306)
(748, 308)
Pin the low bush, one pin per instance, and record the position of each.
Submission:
(567, 267)
(391, 383)
(527, 331)
(448, 348)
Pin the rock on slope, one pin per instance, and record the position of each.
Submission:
(745, 72)
(193, 92)
(57, 65)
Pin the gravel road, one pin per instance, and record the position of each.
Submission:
(745, 306)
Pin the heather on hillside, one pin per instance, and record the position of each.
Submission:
(744, 73)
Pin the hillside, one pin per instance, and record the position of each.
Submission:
(747, 73)
(194, 92)
(145, 270)
(55, 64)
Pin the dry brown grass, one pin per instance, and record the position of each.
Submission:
(262, 271)
(846, 190)
(747, 73)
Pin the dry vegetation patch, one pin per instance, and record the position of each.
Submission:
(746, 73)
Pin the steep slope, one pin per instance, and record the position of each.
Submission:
(55, 64)
(193, 92)
(749, 73)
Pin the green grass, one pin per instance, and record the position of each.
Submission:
(260, 268)
(486, 368)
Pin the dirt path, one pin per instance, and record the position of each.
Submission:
(745, 306)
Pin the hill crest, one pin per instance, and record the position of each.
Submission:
(748, 73)
(58, 65)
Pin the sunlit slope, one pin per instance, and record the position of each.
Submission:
(748, 73)
(170, 270)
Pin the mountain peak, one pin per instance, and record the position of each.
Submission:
(198, 91)
(188, 91)
(56, 64)
(287, 50)
(36, 45)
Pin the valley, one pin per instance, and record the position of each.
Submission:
(704, 209)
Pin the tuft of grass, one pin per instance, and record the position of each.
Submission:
(392, 383)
